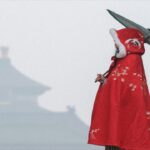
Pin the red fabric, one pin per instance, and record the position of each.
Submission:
(132, 39)
(121, 110)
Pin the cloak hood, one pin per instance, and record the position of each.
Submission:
(128, 40)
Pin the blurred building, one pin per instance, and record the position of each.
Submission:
(26, 126)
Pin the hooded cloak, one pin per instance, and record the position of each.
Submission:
(121, 110)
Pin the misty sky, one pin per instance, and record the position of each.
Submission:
(64, 44)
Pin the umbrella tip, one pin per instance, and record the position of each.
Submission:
(109, 10)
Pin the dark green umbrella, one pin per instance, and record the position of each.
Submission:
(130, 24)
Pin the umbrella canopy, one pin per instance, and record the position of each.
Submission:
(130, 24)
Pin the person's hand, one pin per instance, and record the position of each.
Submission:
(99, 78)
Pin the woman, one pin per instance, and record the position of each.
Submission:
(121, 112)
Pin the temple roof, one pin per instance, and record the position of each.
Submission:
(12, 78)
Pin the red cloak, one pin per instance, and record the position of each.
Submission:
(121, 110)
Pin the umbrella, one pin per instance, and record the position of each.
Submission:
(130, 24)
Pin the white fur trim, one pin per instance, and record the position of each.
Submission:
(122, 53)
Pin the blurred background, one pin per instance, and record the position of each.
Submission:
(50, 54)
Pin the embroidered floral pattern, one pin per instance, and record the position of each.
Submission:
(137, 75)
(132, 86)
(148, 117)
(133, 41)
(143, 81)
(122, 71)
(148, 114)
(92, 133)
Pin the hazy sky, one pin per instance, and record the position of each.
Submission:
(64, 44)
